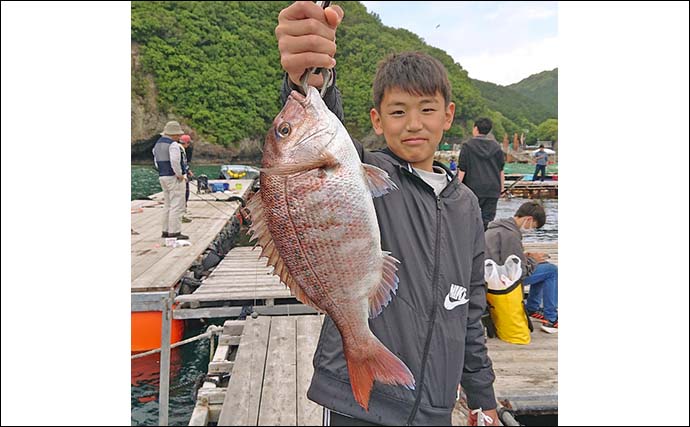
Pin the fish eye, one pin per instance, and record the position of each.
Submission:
(284, 129)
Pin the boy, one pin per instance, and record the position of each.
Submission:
(433, 323)
(504, 238)
(481, 168)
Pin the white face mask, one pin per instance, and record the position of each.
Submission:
(524, 228)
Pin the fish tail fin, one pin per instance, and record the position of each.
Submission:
(375, 362)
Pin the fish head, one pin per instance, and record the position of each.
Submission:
(301, 132)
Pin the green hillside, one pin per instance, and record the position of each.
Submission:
(515, 106)
(216, 66)
(542, 88)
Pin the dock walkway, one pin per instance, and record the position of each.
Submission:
(242, 279)
(155, 267)
(272, 369)
(270, 359)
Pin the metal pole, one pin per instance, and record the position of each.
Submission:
(166, 320)
(507, 417)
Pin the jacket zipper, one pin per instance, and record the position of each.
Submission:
(430, 332)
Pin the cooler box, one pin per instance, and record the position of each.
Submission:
(220, 186)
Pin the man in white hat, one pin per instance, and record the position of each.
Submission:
(166, 156)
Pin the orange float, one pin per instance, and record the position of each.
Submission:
(146, 330)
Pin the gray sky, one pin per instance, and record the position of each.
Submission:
(499, 42)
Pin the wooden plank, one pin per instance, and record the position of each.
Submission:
(279, 394)
(241, 404)
(201, 233)
(199, 415)
(159, 268)
(223, 367)
(168, 270)
(308, 330)
(239, 295)
(215, 312)
(243, 289)
(233, 328)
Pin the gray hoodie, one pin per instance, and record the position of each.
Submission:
(503, 238)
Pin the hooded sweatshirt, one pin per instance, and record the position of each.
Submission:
(503, 238)
(439, 240)
(482, 160)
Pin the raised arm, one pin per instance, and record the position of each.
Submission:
(306, 38)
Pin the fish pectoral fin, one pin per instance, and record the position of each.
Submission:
(382, 294)
(325, 161)
(378, 180)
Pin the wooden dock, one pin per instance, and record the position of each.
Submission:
(157, 268)
(270, 357)
(532, 189)
(242, 279)
(550, 248)
(271, 365)
(270, 360)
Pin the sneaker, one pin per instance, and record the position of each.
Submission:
(164, 234)
(537, 315)
(550, 327)
(178, 236)
(186, 220)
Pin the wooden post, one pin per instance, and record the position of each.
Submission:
(163, 391)
(505, 142)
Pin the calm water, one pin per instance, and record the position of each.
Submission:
(145, 178)
(187, 364)
(190, 362)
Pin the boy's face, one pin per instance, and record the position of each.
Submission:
(413, 125)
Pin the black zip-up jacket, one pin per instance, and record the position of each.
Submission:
(433, 323)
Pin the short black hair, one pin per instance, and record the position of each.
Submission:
(533, 209)
(541, 145)
(416, 73)
(484, 125)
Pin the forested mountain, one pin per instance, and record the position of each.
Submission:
(542, 88)
(215, 67)
(512, 104)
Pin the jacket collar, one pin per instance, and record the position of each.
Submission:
(403, 164)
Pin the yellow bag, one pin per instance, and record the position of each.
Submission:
(509, 315)
(504, 297)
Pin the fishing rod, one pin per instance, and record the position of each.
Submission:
(243, 203)
(507, 190)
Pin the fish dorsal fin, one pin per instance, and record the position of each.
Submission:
(382, 294)
(259, 231)
(378, 180)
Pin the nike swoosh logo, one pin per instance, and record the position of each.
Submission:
(449, 305)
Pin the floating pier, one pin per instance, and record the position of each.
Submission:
(269, 362)
(241, 281)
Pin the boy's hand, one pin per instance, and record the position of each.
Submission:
(539, 257)
(306, 39)
(472, 418)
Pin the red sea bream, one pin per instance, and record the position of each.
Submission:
(315, 220)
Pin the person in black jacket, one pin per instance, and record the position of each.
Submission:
(432, 224)
(480, 167)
